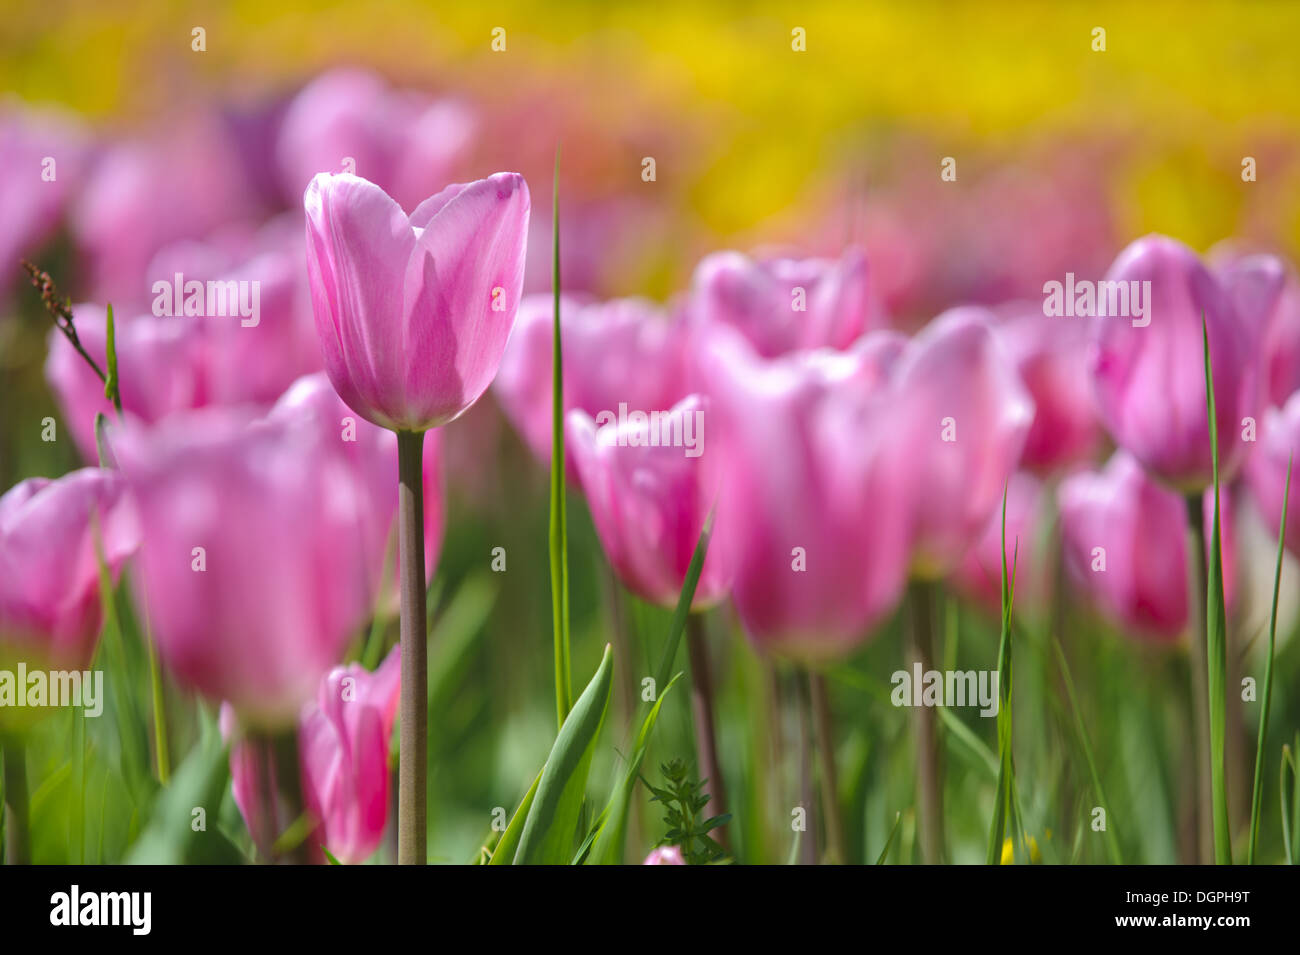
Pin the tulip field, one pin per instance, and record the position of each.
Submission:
(846, 434)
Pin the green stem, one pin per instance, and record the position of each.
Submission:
(412, 772)
(1200, 690)
(706, 742)
(17, 834)
(821, 711)
(929, 776)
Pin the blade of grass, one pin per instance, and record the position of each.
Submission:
(1291, 849)
(1215, 637)
(1005, 805)
(559, 544)
(1257, 794)
(889, 843)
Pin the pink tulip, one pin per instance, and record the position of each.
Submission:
(343, 740)
(650, 492)
(979, 574)
(782, 305)
(1051, 356)
(665, 855)
(371, 456)
(812, 501)
(414, 313)
(349, 120)
(252, 568)
(1279, 440)
(959, 416)
(1125, 541)
(1266, 291)
(1150, 379)
(626, 351)
(49, 569)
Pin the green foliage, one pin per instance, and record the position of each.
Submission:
(683, 800)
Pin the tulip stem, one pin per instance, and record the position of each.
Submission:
(821, 710)
(17, 844)
(412, 772)
(929, 778)
(706, 742)
(1200, 686)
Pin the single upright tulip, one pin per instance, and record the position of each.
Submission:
(252, 567)
(1149, 370)
(49, 569)
(621, 352)
(650, 492)
(813, 505)
(1051, 356)
(782, 304)
(1266, 471)
(343, 742)
(414, 312)
(413, 315)
(1125, 541)
(960, 416)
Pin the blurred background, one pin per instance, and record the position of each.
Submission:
(1063, 155)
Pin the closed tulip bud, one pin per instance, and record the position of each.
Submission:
(343, 746)
(960, 415)
(1125, 541)
(1149, 370)
(650, 490)
(413, 313)
(813, 505)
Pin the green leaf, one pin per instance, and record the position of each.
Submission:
(1257, 795)
(889, 843)
(330, 856)
(1215, 638)
(684, 600)
(168, 837)
(611, 835)
(552, 821)
(558, 536)
(504, 853)
(1007, 803)
(111, 391)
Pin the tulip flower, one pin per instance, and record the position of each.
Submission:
(961, 416)
(649, 493)
(371, 456)
(665, 855)
(812, 506)
(1050, 355)
(621, 352)
(1125, 542)
(343, 742)
(252, 567)
(1266, 471)
(350, 120)
(413, 314)
(1149, 371)
(49, 568)
(782, 305)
